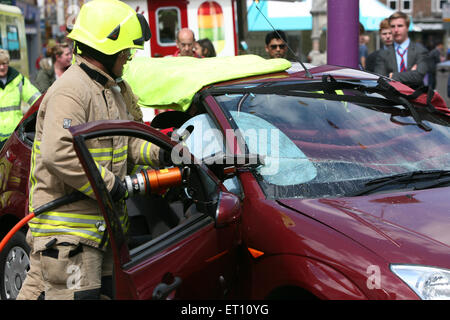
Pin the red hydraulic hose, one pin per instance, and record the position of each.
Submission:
(75, 196)
(16, 228)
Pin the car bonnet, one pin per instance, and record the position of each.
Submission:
(402, 227)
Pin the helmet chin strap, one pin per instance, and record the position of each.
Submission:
(107, 61)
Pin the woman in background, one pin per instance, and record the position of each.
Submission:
(205, 48)
(61, 59)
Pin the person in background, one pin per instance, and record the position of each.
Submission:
(363, 51)
(448, 80)
(204, 48)
(45, 58)
(386, 40)
(433, 59)
(61, 55)
(405, 61)
(276, 44)
(185, 43)
(15, 89)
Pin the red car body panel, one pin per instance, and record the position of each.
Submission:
(302, 238)
(392, 225)
(14, 175)
(327, 247)
(199, 260)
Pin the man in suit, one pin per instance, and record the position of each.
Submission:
(386, 39)
(405, 61)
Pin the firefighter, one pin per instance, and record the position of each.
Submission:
(70, 243)
(14, 89)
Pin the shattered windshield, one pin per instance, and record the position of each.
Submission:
(321, 148)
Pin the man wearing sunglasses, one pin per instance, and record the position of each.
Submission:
(276, 44)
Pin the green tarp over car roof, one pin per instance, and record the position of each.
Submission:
(172, 82)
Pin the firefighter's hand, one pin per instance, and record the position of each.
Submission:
(119, 192)
(165, 159)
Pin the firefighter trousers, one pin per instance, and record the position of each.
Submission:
(66, 271)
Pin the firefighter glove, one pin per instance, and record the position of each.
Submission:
(119, 192)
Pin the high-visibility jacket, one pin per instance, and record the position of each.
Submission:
(76, 98)
(17, 89)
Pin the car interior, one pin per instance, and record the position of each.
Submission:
(152, 215)
(174, 207)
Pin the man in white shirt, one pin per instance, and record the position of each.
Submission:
(405, 61)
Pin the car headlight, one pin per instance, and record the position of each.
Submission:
(427, 282)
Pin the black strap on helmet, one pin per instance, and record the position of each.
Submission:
(106, 60)
(146, 32)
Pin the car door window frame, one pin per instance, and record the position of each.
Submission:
(27, 129)
(130, 257)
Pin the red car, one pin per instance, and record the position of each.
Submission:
(334, 187)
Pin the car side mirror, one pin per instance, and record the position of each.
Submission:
(228, 209)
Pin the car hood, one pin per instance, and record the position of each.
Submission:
(406, 227)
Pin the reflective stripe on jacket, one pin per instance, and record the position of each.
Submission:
(17, 89)
(56, 171)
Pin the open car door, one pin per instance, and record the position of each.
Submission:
(181, 243)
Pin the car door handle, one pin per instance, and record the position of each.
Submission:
(162, 290)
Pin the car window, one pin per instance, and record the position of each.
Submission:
(27, 129)
(207, 140)
(168, 22)
(285, 163)
(13, 41)
(346, 143)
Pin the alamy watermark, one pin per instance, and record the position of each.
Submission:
(374, 277)
(74, 279)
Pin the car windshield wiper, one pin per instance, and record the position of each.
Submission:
(422, 179)
(326, 89)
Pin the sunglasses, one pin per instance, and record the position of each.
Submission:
(274, 46)
(126, 54)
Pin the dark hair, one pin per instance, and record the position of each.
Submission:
(361, 28)
(277, 34)
(207, 46)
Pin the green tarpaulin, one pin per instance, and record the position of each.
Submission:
(172, 82)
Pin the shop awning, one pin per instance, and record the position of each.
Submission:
(297, 15)
(281, 14)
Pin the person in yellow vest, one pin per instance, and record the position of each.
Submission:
(71, 242)
(15, 88)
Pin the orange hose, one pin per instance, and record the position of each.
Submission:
(16, 228)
